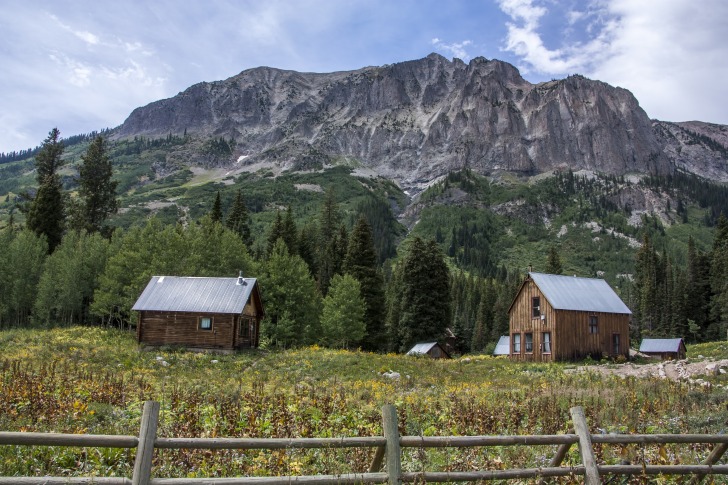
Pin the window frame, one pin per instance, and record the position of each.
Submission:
(527, 344)
(200, 321)
(546, 342)
(516, 343)
(593, 325)
(535, 307)
(618, 341)
(246, 323)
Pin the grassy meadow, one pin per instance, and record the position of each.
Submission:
(94, 380)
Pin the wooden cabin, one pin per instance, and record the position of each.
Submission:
(664, 348)
(556, 317)
(433, 349)
(200, 313)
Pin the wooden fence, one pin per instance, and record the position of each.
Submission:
(388, 447)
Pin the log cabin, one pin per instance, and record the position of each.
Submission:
(200, 313)
(556, 317)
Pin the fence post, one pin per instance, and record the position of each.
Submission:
(391, 434)
(145, 449)
(591, 472)
(712, 459)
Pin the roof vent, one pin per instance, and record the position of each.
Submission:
(161, 278)
(241, 281)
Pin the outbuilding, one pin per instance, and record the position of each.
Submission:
(200, 312)
(664, 348)
(503, 347)
(433, 349)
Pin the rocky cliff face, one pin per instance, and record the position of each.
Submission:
(697, 147)
(416, 120)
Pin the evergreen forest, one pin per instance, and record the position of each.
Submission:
(343, 260)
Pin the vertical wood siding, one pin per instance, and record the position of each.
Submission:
(570, 337)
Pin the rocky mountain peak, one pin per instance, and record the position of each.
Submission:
(416, 120)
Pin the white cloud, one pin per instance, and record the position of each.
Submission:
(456, 49)
(85, 36)
(669, 53)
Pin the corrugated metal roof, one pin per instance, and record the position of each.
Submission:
(581, 294)
(503, 347)
(421, 348)
(660, 345)
(193, 294)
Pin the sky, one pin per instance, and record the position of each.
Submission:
(85, 65)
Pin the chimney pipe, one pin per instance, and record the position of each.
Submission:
(241, 281)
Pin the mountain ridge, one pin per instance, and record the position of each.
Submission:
(415, 121)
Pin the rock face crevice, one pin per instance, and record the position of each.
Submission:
(414, 121)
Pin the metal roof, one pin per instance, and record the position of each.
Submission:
(422, 348)
(503, 347)
(193, 294)
(580, 294)
(660, 345)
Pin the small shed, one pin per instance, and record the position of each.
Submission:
(196, 312)
(433, 349)
(503, 347)
(664, 348)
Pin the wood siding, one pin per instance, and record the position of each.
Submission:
(183, 328)
(569, 331)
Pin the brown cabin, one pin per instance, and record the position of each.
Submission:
(664, 348)
(556, 317)
(200, 313)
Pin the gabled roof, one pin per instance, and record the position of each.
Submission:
(661, 345)
(193, 294)
(579, 294)
(424, 348)
(503, 347)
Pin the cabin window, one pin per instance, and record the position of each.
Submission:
(529, 343)
(516, 343)
(205, 323)
(546, 342)
(593, 324)
(535, 307)
(615, 344)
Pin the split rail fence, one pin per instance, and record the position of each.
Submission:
(388, 447)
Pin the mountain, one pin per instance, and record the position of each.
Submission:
(415, 121)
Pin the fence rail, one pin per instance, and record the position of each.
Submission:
(388, 448)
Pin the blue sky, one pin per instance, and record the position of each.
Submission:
(84, 65)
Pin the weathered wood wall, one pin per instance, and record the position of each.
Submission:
(161, 328)
(570, 335)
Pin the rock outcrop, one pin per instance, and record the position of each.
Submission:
(414, 121)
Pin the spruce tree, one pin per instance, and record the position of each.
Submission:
(46, 215)
(290, 232)
(425, 310)
(96, 189)
(553, 263)
(328, 225)
(238, 220)
(361, 263)
(216, 213)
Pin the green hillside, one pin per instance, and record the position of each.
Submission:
(94, 380)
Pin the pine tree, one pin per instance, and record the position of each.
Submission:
(425, 310)
(46, 215)
(276, 233)
(553, 263)
(361, 263)
(238, 220)
(328, 225)
(216, 213)
(96, 189)
(290, 232)
(719, 282)
(342, 319)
